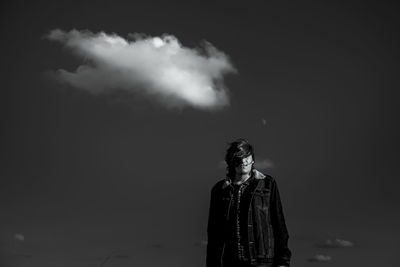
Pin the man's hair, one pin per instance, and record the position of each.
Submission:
(236, 151)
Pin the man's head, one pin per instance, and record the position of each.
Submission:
(239, 157)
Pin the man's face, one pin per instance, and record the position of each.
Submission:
(243, 166)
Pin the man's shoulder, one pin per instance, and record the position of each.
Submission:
(220, 184)
(266, 179)
(269, 178)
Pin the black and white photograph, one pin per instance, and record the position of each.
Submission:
(199, 133)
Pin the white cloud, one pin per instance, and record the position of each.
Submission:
(264, 164)
(222, 164)
(264, 121)
(336, 243)
(19, 237)
(202, 243)
(158, 67)
(320, 258)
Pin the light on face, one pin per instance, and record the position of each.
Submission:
(245, 162)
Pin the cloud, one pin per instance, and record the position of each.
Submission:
(202, 243)
(160, 68)
(264, 164)
(320, 258)
(221, 164)
(264, 121)
(19, 237)
(336, 243)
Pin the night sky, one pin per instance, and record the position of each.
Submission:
(119, 179)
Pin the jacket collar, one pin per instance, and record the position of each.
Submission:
(257, 175)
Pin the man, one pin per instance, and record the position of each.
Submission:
(246, 225)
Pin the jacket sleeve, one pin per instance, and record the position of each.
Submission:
(281, 235)
(214, 233)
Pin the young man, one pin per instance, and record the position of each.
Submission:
(246, 225)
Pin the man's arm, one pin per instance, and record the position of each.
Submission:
(281, 235)
(215, 241)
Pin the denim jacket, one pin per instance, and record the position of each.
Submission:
(267, 239)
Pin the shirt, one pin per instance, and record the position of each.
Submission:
(236, 248)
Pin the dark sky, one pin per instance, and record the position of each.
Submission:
(84, 176)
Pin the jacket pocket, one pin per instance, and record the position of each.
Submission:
(261, 197)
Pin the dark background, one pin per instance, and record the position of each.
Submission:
(84, 177)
